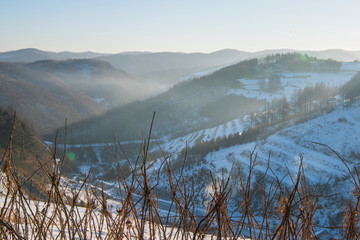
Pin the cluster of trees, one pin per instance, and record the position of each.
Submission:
(297, 62)
(20, 145)
(312, 99)
(23, 132)
(276, 111)
(246, 136)
(351, 89)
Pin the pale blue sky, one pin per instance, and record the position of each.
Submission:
(113, 26)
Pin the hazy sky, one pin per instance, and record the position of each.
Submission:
(113, 26)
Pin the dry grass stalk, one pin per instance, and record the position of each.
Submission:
(287, 212)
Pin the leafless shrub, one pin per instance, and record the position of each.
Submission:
(87, 212)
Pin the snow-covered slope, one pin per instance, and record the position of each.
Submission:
(339, 130)
(176, 145)
(290, 83)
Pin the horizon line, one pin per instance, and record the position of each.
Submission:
(193, 52)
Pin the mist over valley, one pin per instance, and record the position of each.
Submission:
(204, 116)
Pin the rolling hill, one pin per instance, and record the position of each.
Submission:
(43, 99)
(98, 79)
(48, 91)
(165, 68)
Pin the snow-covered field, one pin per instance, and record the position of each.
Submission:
(292, 82)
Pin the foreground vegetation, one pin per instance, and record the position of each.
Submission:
(56, 210)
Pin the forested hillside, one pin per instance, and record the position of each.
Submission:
(43, 98)
(20, 145)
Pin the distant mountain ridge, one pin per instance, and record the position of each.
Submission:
(337, 54)
(165, 68)
(227, 55)
(32, 55)
(162, 61)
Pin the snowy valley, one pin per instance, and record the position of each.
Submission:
(270, 120)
